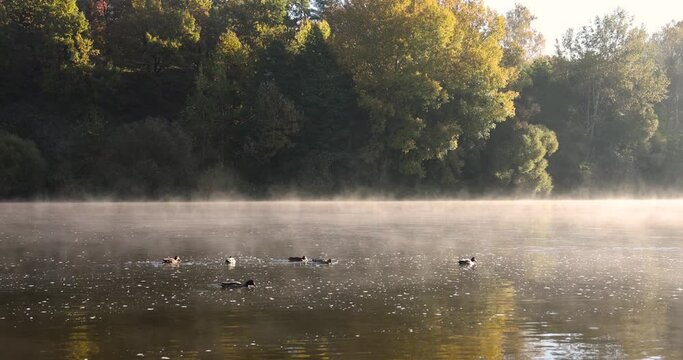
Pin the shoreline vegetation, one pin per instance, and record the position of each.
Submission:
(295, 99)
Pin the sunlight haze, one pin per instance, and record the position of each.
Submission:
(555, 17)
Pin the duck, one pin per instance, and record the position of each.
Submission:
(231, 261)
(172, 260)
(298, 259)
(467, 262)
(322, 261)
(249, 284)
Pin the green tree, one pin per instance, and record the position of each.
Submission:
(522, 42)
(97, 12)
(516, 157)
(220, 100)
(22, 169)
(322, 7)
(276, 120)
(147, 158)
(154, 35)
(47, 80)
(429, 74)
(613, 85)
(324, 93)
(664, 161)
(46, 46)
(255, 22)
(669, 48)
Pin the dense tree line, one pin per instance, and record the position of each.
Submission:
(155, 98)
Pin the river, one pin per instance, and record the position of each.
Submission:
(553, 280)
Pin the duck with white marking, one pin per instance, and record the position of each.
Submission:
(172, 260)
(322, 261)
(231, 261)
(467, 262)
(298, 259)
(249, 284)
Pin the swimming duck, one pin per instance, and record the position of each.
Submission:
(298, 259)
(172, 260)
(249, 284)
(322, 261)
(231, 261)
(467, 262)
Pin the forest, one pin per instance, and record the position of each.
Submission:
(154, 99)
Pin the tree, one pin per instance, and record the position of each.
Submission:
(299, 10)
(664, 161)
(324, 93)
(154, 35)
(22, 169)
(255, 22)
(516, 157)
(322, 7)
(46, 46)
(276, 120)
(669, 48)
(147, 158)
(613, 85)
(98, 14)
(47, 81)
(512, 159)
(320, 96)
(428, 75)
(219, 102)
(522, 42)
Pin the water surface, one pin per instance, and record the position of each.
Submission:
(555, 280)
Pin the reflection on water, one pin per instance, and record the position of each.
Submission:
(555, 280)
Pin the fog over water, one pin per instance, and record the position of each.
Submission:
(553, 280)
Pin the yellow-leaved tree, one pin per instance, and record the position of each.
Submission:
(428, 73)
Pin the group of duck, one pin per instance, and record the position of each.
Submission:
(250, 284)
